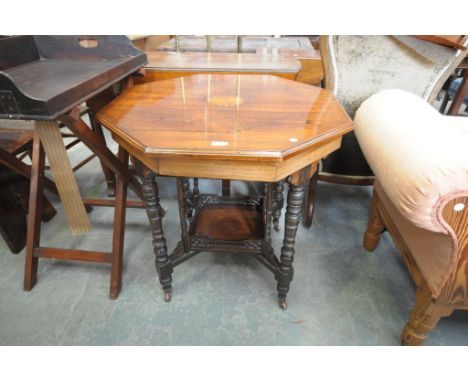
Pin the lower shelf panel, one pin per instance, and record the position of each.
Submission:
(225, 227)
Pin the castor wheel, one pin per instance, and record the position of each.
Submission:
(167, 296)
(282, 303)
(276, 226)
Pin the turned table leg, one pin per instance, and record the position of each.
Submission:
(278, 204)
(293, 216)
(153, 209)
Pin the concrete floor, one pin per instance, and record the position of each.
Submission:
(340, 295)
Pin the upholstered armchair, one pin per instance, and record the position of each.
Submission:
(355, 67)
(420, 161)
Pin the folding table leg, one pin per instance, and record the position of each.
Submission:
(73, 121)
(119, 229)
(35, 212)
(108, 174)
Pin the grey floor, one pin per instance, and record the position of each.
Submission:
(340, 295)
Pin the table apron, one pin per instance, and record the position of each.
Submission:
(232, 169)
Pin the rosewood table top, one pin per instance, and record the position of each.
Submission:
(251, 127)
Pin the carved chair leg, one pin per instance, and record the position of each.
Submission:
(278, 200)
(311, 200)
(294, 207)
(153, 210)
(375, 226)
(424, 317)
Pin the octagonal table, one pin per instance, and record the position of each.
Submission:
(238, 127)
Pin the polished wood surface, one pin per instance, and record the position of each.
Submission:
(300, 64)
(266, 55)
(229, 223)
(221, 62)
(235, 117)
(311, 62)
(167, 65)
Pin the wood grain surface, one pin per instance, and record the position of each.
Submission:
(235, 117)
(222, 62)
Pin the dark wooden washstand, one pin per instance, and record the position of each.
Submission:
(46, 79)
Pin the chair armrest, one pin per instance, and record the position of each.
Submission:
(419, 156)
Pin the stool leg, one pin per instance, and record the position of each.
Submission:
(35, 212)
(119, 229)
(153, 209)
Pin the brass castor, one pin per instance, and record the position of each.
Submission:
(282, 303)
(167, 296)
(276, 226)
